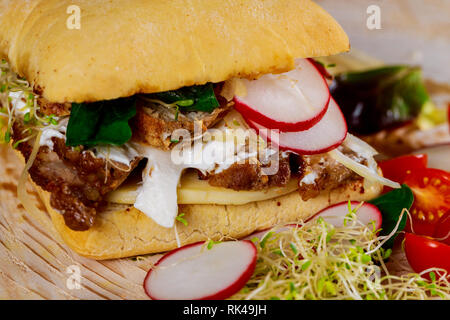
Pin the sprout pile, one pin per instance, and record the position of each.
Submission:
(12, 85)
(316, 260)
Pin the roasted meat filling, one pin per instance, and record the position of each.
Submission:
(52, 108)
(250, 176)
(76, 180)
(327, 174)
(156, 125)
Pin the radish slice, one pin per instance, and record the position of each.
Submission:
(292, 101)
(326, 135)
(194, 272)
(335, 214)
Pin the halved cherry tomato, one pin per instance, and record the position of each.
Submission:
(397, 169)
(424, 253)
(431, 188)
(442, 232)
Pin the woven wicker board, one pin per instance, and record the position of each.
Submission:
(34, 260)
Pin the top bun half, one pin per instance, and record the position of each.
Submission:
(125, 47)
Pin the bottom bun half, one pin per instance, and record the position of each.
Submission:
(123, 231)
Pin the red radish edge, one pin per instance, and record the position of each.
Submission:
(251, 114)
(224, 293)
(378, 221)
(254, 125)
(321, 68)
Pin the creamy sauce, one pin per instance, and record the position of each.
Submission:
(310, 178)
(213, 156)
(48, 133)
(18, 102)
(157, 196)
(123, 154)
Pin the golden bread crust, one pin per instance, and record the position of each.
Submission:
(125, 47)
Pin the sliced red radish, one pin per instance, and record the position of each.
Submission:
(336, 214)
(194, 272)
(326, 135)
(321, 68)
(292, 101)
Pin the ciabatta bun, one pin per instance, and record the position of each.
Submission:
(138, 46)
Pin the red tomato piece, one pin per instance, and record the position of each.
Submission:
(442, 232)
(397, 169)
(424, 253)
(431, 188)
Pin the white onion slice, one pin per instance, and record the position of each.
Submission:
(359, 146)
(360, 169)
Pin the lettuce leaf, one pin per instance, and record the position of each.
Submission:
(104, 122)
(202, 97)
(380, 98)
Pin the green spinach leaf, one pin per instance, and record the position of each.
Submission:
(391, 206)
(104, 122)
(202, 97)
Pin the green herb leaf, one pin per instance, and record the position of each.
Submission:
(211, 243)
(387, 253)
(278, 252)
(391, 206)
(380, 98)
(262, 244)
(7, 136)
(306, 265)
(194, 98)
(181, 219)
(104, 122)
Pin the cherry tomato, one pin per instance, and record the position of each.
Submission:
(424, 253)
(431, 188)
(397, 169)
(442, 232)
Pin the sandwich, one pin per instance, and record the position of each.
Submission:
(161, 123)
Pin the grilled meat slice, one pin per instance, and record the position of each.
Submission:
(155, 124)
(51, 108)
(250, 176)
(327, 174)
(76, 179)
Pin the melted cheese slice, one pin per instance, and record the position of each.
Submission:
(157, 195)
(192, 190)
